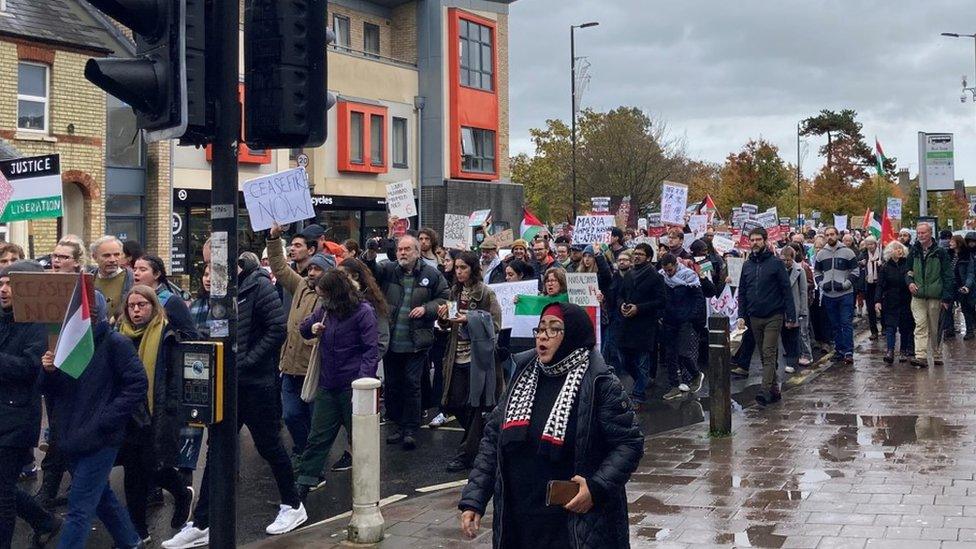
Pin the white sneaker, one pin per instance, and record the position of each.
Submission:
(684, 388)
(438, 421)
(288, 519)
(188, 537)
(790, 369)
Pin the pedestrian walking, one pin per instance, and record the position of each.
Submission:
(798, 287)
(964, 280)
(930, 281)
(765, 297)
(473, 379)
(870, 262)
(345, 326)
(565, 417)
(641, 299)
(968, 302)
(837, 274)
(892, 301)
(111, 278)
(684, 310)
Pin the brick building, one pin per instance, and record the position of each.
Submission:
(112, 181)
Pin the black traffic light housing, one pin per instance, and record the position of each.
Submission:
(285, 73)
(201, 125)
(154, 82)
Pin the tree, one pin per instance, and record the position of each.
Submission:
(846, 151)
(546, 175)
(755, 175)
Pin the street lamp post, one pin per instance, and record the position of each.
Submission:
(572, 76)
(971, 89)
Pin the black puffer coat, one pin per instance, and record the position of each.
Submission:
(21, 347)
(260, 330)
(892, 291)
(609, 446)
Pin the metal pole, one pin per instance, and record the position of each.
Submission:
(923, 187)
(223, 455)
(366, 524)
(572, 83)
(798, 226)
(719, 377)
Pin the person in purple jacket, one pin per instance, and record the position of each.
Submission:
(348, 349)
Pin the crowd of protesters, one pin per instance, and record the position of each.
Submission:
(314, 315)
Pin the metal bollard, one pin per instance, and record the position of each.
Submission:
(719, 377)
(366, 524)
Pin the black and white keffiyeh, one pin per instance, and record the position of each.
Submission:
(518, 413)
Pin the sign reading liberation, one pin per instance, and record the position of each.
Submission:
(30, 188)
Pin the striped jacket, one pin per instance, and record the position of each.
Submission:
(836, 270)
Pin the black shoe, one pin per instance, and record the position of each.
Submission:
(182, 504)
(395, 438)
(766, 398)
(919, 364)
(739, 371)
(302, 491)
(344, 463)
(41, 539)
(156, 499)
(969, 335)
(849, 359)
(873, 336)
(950, 335)
(409, 443)
(696, 383)
(456, 466)
(938, 362)
(889, 358)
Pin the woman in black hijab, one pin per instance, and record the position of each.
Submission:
(565, 417)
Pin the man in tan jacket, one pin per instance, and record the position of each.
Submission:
(296, 351)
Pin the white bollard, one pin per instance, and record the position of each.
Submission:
(366, 524)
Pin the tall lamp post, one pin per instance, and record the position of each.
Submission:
(572, 69)
(971, 89)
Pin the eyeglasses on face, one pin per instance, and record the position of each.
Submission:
(550, 331)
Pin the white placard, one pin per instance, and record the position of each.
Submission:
(734, 264)
(642, 223)
(674, 202)
(283, 197)
(894, 207)
(722, 244)
(455, 233)
(840, 222)
(698, 224)
(593, 228)
(506, 292)
(399, 199)
(583, 289)
(687, 240)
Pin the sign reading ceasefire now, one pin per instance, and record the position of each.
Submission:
(44, 297)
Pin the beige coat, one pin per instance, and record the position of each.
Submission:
(481, 298)
(296, 351)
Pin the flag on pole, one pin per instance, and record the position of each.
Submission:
(76, 342)
(887, 229)
(879, 156)
(866, 220)
(531, 225)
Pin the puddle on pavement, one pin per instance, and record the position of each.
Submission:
(659, 416)
(759, 535)
(877, 437)
(656, 534)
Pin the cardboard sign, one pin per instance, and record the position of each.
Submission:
(722, 244)
(592, 228)
(479, 218)
(400, 200)
(734, 265)
(505, 294)
(582, 289)
(30, 188)
(283, 197)
(674, 202)
(504, 239)
(840, 222)
(698, 224)
(44, 297)
(455, 231)
(894, 207)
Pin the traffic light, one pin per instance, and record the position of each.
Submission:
(154, 82)
(285, 96)
(201, 124)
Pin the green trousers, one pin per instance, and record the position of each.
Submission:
(332, 409)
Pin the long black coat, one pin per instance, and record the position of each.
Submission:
(21, 347)
(892, 291)
(261, 329)
(645, 288)
(609, 446)
(430, 292)
(165, 418)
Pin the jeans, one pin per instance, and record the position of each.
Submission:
(791, 345)
(840, 312)
(15, 502)
(297, 413)
(637, 364)
(767, 332)
(332, 410)
(54, 465)
(91, 495)
(402, 388)
(610, 349)
(968, 312)
(681, 356)
(903, 325)
(257, 407)
(927, 313)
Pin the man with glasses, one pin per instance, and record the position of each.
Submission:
(765, 297)
(641, 302)
(541, 260)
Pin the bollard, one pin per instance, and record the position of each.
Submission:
(719, 377)
(366, 524)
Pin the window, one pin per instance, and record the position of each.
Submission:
(477, 59)
(477, 150)
(123, 144)
(371, 39)
(376, 140)
(356, 137)
(340, 26)
(124, 217)
(399, 142)
(32, 103)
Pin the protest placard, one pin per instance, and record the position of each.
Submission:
(478, 218)
(30, 188)
(455, 233)
(722, 245)
(641, 223)
(505, 238)
(623, 213)
(600, 204)
(582, 289)
(674, 202)
(505, 294)
(734, 265)
(894, 207)
(283, 197)
(750, 209)
(44, 297)
(698, 224)
(747, 227)
(654, 219)
(840, 222)
(592, 228)
(399, 199)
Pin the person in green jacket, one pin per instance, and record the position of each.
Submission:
(930, 283)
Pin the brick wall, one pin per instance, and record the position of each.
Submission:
(356, 21)
(501, 36)
(159, 193)
(405, 33)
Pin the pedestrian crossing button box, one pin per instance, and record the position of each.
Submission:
(200, 367)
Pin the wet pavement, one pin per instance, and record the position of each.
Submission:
(862, 456)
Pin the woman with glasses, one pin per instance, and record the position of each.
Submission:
(565, 417)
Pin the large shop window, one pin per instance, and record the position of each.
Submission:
(477, 150)
(362, 138)
(477, 58)
(32, 97)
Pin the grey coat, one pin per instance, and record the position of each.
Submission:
(798, 285)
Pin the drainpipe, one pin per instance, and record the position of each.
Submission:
(419, 102)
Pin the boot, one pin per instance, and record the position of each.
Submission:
(47, 495)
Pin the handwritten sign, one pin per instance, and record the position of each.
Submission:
(674, 202)
(840, 222)
(455, 231)
(479, 218)
(505, 238)
(582, 289)
(894, 207)
(506, 292)
(399, 199)
(734, 265)
(592, 228)
(698, 224)
(44, 297)
(283, 197)
(722, 244)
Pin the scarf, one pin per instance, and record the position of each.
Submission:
(874, 261)
(682, 277)
(152, 336)
(518, 412)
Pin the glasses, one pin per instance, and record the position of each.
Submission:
(139, 305)
(550, 331)
(61, 257)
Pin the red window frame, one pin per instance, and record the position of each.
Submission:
(344, 162)
(468, 106)
(244, 154)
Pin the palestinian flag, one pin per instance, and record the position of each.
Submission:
(879, 157)
(531, 225)
(529, 307)
(871, 224)
(76, 343)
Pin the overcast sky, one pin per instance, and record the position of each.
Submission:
(721, 72)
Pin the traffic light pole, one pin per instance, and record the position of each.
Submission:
(223, 51)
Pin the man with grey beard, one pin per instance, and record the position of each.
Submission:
(414, 290)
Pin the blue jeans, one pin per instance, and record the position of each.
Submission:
(609, 348)
(91, 495)
(297, 413)
(840, 311)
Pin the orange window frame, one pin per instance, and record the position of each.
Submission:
(244, 153)
(344, 162)
(469, 106)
